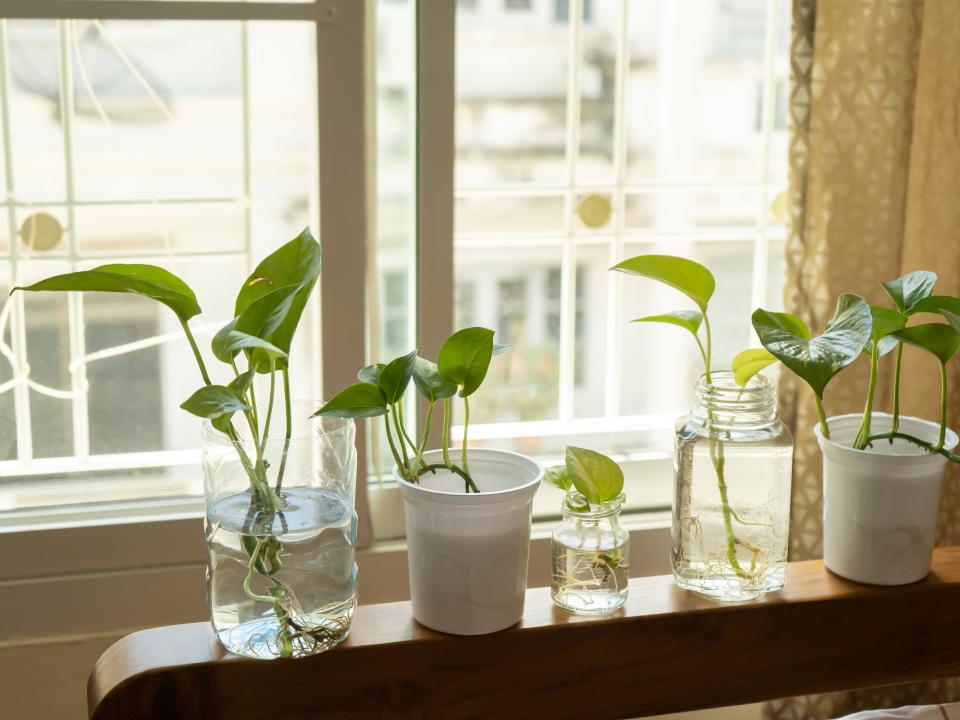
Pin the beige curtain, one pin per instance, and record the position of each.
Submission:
(874, 193)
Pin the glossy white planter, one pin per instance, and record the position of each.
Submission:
(467, 553)
(880, 505)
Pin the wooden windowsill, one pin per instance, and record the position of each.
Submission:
(666, 651)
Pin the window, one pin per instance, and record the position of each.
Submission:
(169, 141)
(635, 127)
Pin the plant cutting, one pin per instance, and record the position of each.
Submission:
(259, 485)
(730, 522)
(590, 549)
(467, 510)
(882, 473)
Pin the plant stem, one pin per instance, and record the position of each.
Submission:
(423, 439)
(288, 427)
(466, 424)
(716, 456)
(707, 355)
(269, 417)
(943, 407)
(403, 427)
(916, 441)
(400, 441)
(196, 352)
(896, 389)
(824, 428)
(446, 432)
(860, 442)
(468, 481)
(393, 448)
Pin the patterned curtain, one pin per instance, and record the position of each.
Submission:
(874, 193)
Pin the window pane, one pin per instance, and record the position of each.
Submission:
(177, 147)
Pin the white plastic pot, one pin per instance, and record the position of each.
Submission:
(880, 504)
(467, 553)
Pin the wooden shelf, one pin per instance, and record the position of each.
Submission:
(666, 651)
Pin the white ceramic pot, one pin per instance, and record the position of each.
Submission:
(880, 505)
(467, 553)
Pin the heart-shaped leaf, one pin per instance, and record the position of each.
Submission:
(214, 401)
(264, 315)
(558, 477)
(937, 304)
(228, 342)
(598, 478)
(241, 383)
(936, 338)
(395, 376)
(748, 363)
(689, 277)
(427, 378)
(359, 400)
(818, 360)
(148, 280)
(295, 263)
(371, 373)
(906, 291)
(885, 322)
(953, 319)
(465, 357)
(687, 319)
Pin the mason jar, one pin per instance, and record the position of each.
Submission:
(281, 533)
(591, 557)
(731, 510)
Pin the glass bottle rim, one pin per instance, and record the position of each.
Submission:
(330, 427)
(596, 512)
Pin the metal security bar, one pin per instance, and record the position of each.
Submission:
(568, 240)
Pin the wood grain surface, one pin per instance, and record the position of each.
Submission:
(666, 651)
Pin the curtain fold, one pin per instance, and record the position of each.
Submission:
(874, 193)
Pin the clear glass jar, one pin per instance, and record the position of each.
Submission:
(731, 510)
(591, 556)
(281, 574)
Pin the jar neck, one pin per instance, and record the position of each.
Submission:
(722, 405)
(607, 512)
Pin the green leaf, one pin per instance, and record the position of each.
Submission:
(214, 401)
(147, 280)
(241, 383)
(937, 304)
(687, 319)
(371, 373)
(598, 478)
(558, 477)
(953, 319)
(936, 338)
(359, 400)
(906, 291)
(465, 357)
(427, 378)
(689, 277)
(228, 342)
(264, 315)
(296, 263)
(885, 322)
(577, 502)
(749, 362)
(395, 376)
(818, 360)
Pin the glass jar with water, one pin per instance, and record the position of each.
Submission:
(731, 510)
(280, 536)
(591, 557)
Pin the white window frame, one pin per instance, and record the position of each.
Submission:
(342, 137)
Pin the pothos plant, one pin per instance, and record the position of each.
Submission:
(858, 328)
(461, 367)
(256, 341)
(698, 284)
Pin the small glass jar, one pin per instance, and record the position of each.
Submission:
(591, 554)
(731, 510)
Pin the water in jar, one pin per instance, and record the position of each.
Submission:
(299, 595)
(590, 567)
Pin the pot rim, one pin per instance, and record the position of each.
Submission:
(536, 469)
(950, 441)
